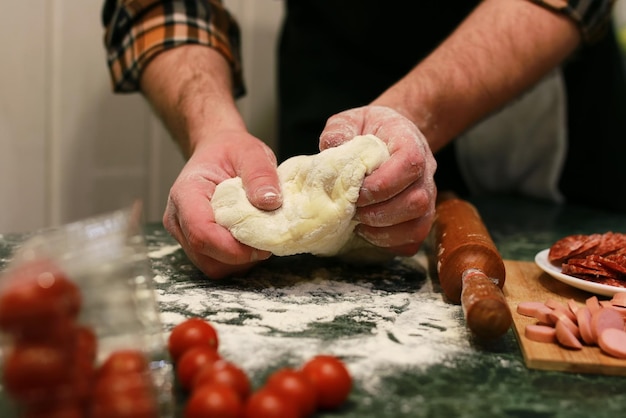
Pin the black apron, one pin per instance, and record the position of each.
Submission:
(340, 54)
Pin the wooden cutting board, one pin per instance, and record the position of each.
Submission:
(525, 281)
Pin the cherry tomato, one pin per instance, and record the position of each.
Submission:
(37, 295)
(294, 385)
(86, 344)
(84, 362)
(63, 410)
(268, 403)
(223, 372)
(214, 400)
(125, 405)
(124, 361)
(35, 371)
(192, 361)
(331, 379)
(110, 385)
(121, 395)
(191, 333)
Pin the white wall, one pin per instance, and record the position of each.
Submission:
(69, 148)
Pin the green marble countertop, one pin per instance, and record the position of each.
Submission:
(408, 350)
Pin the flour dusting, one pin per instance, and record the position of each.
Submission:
(375, 329)
(163, 251)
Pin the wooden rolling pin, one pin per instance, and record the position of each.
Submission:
(469, 267)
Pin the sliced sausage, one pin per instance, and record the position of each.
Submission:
(560, 307)
(619, 299)
(613, 342)
(593, 304)
(584, 325)
(529, 308)
(573, 306)
(540, 333)
(605, 318)
(544, 315)
(558, 316)
(566, 337)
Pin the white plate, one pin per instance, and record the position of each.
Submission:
(600, 289)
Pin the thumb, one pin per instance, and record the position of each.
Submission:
(260, 179)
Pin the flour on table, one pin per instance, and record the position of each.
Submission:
(165, 250)
(261, 328)
(319, 196)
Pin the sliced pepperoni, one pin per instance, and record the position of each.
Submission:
(591, 242)
(612, 264)
(609, 281)
(582, 271)
(563, 248)
(610, 243)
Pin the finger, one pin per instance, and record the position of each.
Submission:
(340, 128)
(414, 202)
(259, 176)
(406, 237)
(193, 225)
(214, 269)
(391, 178)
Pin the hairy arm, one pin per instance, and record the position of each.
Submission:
(499, 51)
(190, 89)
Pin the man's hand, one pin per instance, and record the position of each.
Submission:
(189, 216)
(396, 205)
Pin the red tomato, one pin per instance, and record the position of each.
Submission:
(109, 385)
(223, 372)
(66, 410)
(125, 405)
(214, 400)
(268, 403)
(36, 371)
(37, 295)
(192, 361)
(124, 361)
(331, 379)
(121, 395)
(86, 344)
(191, 333)
(294, 385)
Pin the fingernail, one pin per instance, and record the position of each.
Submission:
(365, 196)
(259, 256)
(267, 193)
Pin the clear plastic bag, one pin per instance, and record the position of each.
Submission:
(80, 326)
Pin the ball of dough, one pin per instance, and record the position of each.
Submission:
(319, 201)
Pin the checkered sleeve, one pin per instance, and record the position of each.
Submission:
(138, 30)
(593, 17)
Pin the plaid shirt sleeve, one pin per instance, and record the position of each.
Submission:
(593, 17)
(138, 30)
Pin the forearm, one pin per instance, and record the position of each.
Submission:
(190, 88)
(500, 50)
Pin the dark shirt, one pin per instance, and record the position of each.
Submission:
(335, 55)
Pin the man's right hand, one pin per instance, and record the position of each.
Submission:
(189, 216)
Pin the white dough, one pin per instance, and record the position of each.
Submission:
(319, 196)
